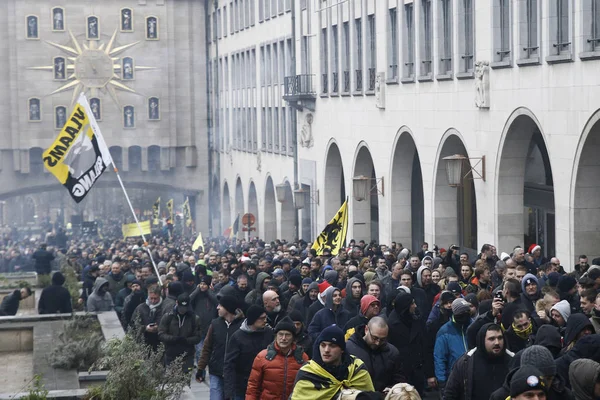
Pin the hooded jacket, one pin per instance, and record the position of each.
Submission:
(586, 347)
(100, 302)
(383, 364)
(116, 283)
(180, 334)
(528, 301)
(583, 375)
(204, 305)
(10, 303)
(351, 304)
(303, 304)
(549, 337)
(470, 367)
(327, 316)
(450, 345)
(243, 347)
(575, 325)
(255, 296)
(55, 299)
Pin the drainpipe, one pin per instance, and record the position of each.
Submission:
(293, 120)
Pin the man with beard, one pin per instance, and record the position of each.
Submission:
(426, 283)
(299, 295)
(354, 292)
(135, 298)
(408, 334)
(116, 279)
(369, 343)
(253, 336)
(255, 296)
(303, 305)
(147, 316)
(275, 312)
(332, 313)
(302, 337)
(241, 287)
(478, 373)
(100, 300)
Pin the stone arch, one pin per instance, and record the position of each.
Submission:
(134, 154)
(226, 214)
(116, 153)
(525, 188)
(406, 184)
(455, 209)
(270, 214)
(253, 208)
(288, 210)
(585, 193)
(335, 188)
(365, 214)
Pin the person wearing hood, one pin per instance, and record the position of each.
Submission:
(123, 293)
(244, 345)
(204, 303)
(425, 282)
(382, 359)
(451, 340)
(174, 289)
(521, 330)
(407, 333)
(370, 307)
(549, 337)
(300, 294)
(584, 375)
(116, 279)
(331, 370)
(444, 313)
(55, 299)
(302, 337)
(304, 304)
(147, 316)
(530, 292)
(319, 304)
(577, 327)
(10, 303)
(100, 299)
(489, 317)
(355, 290)
(567, 289)
(255, 296)
(135, 298)
(179, 330)
(586, 347)
(332, 313)
(560, 313)
(482, 370)
(188, 280)
(89, 283)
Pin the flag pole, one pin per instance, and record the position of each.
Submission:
(137, 223)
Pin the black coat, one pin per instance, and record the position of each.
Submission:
(215, 344)
(558, 390)
(10, 303)
(204, 305)
(43, 258)
(55, 299)
(384, 364)
(142, 317)
(244, 345)
(180, 334)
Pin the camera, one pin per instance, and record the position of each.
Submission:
(499, 295)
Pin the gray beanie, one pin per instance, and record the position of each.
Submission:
(460, 306)
(541, 358)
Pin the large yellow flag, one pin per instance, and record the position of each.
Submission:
(334, 234)
(199, 242)
(170, 209)
(187, 213)
(156, 211)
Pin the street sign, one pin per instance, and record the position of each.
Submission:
(248, 220)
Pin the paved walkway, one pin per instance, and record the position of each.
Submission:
(198, 391)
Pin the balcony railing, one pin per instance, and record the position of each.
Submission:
(393, 71)
(371, 79)
(324, 84)
(299, 86)
(346, 81)
(359, 80)
(336, 81)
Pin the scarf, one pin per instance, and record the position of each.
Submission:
(153, 306)
(523, 333)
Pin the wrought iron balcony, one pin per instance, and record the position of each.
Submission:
(346, 82)
(299, 87)
(359, 80)
(336, 81)
(371, 79)
(324, 84)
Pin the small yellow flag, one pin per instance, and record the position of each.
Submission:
(198, 243)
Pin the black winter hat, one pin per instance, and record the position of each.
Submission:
(296, 316)
(296, 280)
(403, 301)
(286, 324)
(229, 303)
(566, 283)
(525, 379)
(58, 278)
(253, 313)
(206, 279)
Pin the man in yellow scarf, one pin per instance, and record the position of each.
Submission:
(331, 370)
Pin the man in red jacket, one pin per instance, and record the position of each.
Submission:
(274, 369)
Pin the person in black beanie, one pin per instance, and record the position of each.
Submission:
(567, 289)
(174, 289)
(303, 339)
(253, 336)
(528, 383)
(55, 299)
(293, 285)
(204, 303)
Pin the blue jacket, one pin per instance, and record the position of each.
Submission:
(450, 345)
(327, 317)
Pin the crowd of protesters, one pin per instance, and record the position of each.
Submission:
(260, 320)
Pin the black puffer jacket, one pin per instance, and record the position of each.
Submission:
(204, 305)
(144, 316)
(179, 333)
(243, 347)
(383, 364)
(216, 342)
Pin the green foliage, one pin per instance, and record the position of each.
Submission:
(79, 344)
(36, 390)
(136, 372)
(72, 284)
(14, 285)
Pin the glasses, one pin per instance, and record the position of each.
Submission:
(377, 339)
(284, 335)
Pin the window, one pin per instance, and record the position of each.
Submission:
(288, 56)
(334, 59)
(324, 63)
(253, 67)
(252, 12)
(426, 44)
(501, 29)
(269, 66)
(263, 128)
(273, 8)
(466, 39)
(358, 60)
(445, 39)
(255, 130)
(236, 16)
(283, 130)
(591, 29)
(371, 56)
(263, 67)
(214, 26)
(346, 57)
(280, 6)
(393, 44)
(261, 10)
(559, 31)
(276, 132)
(275, 65)
(409, 43)
(529, 47)
(269, 129)
(288, 5)
(232, 12)
(224, 21)
(267, 5)
(282, 63)
(218, 26)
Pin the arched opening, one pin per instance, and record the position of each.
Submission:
(335, 188)
(36, 165)
(366, 212)
(253, 209)
(116, 153)
(288, 225)
(270, 214)
(239, 204)
(154, 158)
(408, 212)
(135, 159)
(455, 208)
(525, 188)
(215, 208)
(226, 215)
(586, 194)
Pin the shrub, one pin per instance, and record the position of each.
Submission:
(36, 390)
(73, 286)
(79, 344)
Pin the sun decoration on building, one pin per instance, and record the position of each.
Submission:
(91, 67)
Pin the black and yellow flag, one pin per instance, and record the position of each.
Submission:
(170, 209)
(79, 154)
(334, 234)
(187, 213)
(156, 211)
